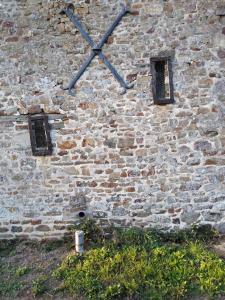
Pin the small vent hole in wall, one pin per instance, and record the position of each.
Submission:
(81, 214)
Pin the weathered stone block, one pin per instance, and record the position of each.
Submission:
(42, 228)
(125, 143)
(67, 145)
(221, 54)
(4, 229)
(220, 11)
(202, 145)
(16, 229)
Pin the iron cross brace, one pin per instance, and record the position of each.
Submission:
(96, 48)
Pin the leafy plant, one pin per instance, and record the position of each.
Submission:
(9, 283)
(39, 285)
(93, 233)
(22, 271)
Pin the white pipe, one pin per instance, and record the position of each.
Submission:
(79, 241)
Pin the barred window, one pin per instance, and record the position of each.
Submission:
(162, 80)
(40, 134)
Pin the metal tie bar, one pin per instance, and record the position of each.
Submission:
(96, 49)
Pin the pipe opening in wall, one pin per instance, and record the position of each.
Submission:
(81, 214)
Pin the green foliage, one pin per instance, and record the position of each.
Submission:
(9, 288)
(204, 233)
(9, 283)
(93, 233)
(22, 271)
(145, 264)
(39, 285)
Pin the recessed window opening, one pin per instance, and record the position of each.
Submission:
(40, 135)
(162, 85)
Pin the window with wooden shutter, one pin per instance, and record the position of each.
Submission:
(162, 80)
(40, 135)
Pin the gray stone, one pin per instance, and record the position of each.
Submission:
(190, 217)
(202, 145)
(220, 11)
(16, 229)
(221, 228)
(212, 216)
(42, 228)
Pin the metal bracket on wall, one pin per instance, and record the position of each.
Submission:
(96, 48)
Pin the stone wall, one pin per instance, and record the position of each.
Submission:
(117, 157)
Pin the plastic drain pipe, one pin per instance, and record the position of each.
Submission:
(79, 241)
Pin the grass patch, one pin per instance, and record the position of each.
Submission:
(145, 264)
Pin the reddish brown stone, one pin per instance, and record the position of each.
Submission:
(98, 171)
(215, 161)
(93, 184)
(7, 24)
(123, 174)
(137, 5)
(67, 145)
(12, 39)
(148, 172)
(35, 222)
(21, 127)
(62, 153)
(135, 12)
(87, 105)
(34, 109)
(110, 40)
(75, 157)
(88, 142)
(140, 114)
(37, 93)
(132, 77)
(109, 185)
(109, 171)
(130, 189)
(55, 159)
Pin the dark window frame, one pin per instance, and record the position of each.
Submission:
(157, 100)
(40, 151)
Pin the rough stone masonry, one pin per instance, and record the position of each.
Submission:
(116, 157)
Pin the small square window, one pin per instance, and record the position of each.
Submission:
(40, 135)
(162, 80)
